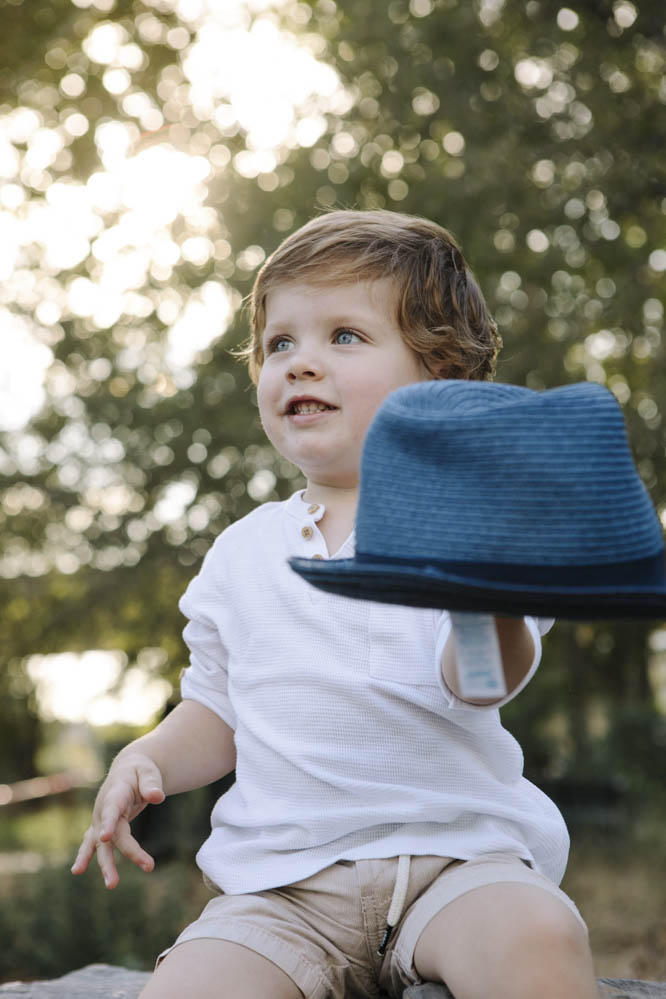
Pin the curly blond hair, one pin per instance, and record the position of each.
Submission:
(441, 311)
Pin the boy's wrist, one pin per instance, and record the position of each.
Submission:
(517, 649)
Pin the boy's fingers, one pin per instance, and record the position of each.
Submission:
(150, 789)
(121, 803)
(84, 854)
(149, 780)
(130, 848)
(108, 823)
(110, 828)
(107, 864)
(116, 805)
(123, 841)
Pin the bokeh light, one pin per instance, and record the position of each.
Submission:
(92, 250)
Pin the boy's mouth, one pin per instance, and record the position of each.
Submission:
(306, 407)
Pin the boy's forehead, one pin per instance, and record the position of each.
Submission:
(348, 289)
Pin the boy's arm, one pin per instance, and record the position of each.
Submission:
(517, 651)
(191, 747)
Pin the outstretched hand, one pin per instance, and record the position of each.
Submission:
(132, 783)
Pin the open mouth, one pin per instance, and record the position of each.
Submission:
(306, 407)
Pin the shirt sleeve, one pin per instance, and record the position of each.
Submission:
(537, 627)
(207, 635)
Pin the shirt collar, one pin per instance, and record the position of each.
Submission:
(302, 510)
(298, 508)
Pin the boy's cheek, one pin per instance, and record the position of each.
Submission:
(263, 403)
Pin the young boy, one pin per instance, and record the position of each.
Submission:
(380, 832)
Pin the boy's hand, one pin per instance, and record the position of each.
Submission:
(517, 651)
(132, 783)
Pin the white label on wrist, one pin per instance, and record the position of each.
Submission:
(480, 672)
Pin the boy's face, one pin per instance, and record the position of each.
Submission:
(332, 354)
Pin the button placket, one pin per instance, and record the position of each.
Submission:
(311, 535)
(310, 532)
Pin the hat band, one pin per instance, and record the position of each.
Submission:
(643, 573)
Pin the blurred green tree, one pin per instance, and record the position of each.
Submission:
(531, 130)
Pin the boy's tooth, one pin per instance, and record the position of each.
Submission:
(306, 408)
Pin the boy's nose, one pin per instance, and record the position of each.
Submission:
(304, 364)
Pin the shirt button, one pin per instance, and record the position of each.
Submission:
(313, 508)
(306, 532)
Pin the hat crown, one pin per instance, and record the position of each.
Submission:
(488, 472)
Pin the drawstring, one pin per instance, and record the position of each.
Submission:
(397, 900)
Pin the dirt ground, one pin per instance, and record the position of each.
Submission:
(620, 890)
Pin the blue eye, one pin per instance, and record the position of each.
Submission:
(278, 345)
(346, 336)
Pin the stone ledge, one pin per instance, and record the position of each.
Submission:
(609, 988)
(103, 981)
(96, 981)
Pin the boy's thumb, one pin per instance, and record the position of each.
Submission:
(151, 789)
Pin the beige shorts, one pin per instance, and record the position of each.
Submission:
(324, 931)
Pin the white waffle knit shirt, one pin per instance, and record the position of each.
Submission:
(349, 743)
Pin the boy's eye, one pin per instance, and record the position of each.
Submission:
(278, 345)
(346, 336)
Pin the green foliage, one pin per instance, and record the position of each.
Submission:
(51, 922)
(536, 137)
(50, 830)
(19, 728)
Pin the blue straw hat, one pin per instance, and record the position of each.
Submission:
(481, 496)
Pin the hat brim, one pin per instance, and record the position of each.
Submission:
(429, 586)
